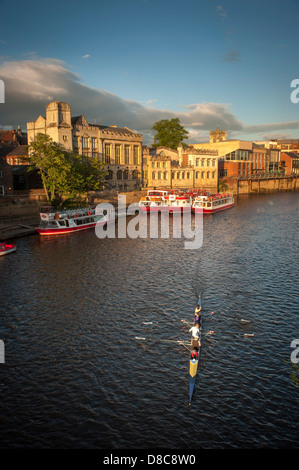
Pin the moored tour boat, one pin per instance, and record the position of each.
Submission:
(170, 200)
(211, 203)
(57, 223)
(6, 248)
(177, 202)
(153, 201)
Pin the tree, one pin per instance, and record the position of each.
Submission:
(65, 175)
(170, 133)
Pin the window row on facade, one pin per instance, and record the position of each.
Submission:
(205, 162)
(121, 154)
(160, 175)
(122, 175)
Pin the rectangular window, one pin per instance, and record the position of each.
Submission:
(85, 142)
(107, 153)
(117, 154)
(127, 154)
(136, 154)
(94, 142)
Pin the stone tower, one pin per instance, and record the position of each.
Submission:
(58, 123)
(218, 136)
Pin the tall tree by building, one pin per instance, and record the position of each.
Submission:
(170, 133)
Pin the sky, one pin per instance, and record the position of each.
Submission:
(213, 64)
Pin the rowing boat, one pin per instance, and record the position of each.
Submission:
(193, 363)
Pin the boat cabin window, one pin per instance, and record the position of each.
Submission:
(61, 223)
(51, 224)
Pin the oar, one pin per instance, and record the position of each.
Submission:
(238, 334)
(157, 339)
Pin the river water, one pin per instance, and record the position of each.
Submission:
(76, 377)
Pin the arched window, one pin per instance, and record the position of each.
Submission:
(159, 175)
(202, 174)
(135, 174)
(109, 175)
(153, 175)
(119, 175)
(126, 174)
(165, 175)
(197, 174)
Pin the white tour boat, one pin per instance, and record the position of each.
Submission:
(153, 201)
(211, 203)
(56, 223)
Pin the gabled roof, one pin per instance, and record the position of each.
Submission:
(291, 154)
(19, 151)
(119, 130)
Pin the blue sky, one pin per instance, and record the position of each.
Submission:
(133, 62)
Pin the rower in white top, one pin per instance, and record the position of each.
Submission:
(194, 330)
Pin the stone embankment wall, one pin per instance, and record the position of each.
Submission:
(24, 204)
(262, 185)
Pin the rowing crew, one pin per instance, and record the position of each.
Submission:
(195, 331)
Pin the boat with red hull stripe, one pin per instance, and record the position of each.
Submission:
(58, 223)
(212, 203)
(6, 248)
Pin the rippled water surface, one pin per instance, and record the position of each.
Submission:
(75, 377)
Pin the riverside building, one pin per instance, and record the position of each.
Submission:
(119, 147)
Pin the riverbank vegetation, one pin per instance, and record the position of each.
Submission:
(65, 175)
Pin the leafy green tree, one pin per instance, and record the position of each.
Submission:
(65, 175)
(170, 133)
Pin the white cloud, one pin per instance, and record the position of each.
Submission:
(221, 11)
(149, 102)
(85, 56)
(31, 84)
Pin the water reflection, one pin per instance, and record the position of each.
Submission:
(71, 308)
